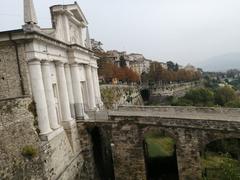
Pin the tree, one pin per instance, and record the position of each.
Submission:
(224, 95)
(200, 97)
(106, 71)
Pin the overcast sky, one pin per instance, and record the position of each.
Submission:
(184, 31)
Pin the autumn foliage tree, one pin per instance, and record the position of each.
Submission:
(157, 73)
(110, 71)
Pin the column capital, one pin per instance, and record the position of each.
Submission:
(34, 61)
(95, 67)
(45, 62)
(59, 63)
(74, 64)
(66, 65)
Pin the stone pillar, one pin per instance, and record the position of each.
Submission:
(77, 91)
(97, 88)
(39, 96)
(89, 77)
(188, 156)
(46, 73)
(128, 154)
(63, 92)
(70, 89)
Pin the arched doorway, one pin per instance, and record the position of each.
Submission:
(160, 157)
(102, 154)
(221, 160)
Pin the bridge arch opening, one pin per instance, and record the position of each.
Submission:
(145, 93)
(160, 156)
(220, 159)
(102, 154)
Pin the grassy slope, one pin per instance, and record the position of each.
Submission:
(160, 146)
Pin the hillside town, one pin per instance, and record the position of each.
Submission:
(137, 63)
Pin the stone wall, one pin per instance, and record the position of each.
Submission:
(175, 89)
(115, 95)
(23, 155)
(191, 138)
(69, 155)
(188, 128)
(17, 131)
(13, 78)
(128, 154)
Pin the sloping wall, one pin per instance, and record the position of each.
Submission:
(115, 95)
(17, 137)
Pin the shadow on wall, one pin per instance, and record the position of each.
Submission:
(102, 155)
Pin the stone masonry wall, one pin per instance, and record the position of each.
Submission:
(191, 137)
(63, 156)
(9, 80)
(128, 155)
(67, 156)
(17, 132)
(9, 72)
(115, 95)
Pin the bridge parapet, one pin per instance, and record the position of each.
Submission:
(185, 112)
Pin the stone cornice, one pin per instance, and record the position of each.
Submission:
(21, 35)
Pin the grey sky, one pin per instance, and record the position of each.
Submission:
(185, 31)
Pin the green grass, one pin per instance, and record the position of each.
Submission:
(220, 167)
(214, 160)
(160, 146)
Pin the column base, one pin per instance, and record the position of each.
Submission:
(51, 135)
(82, 118)
(68, 124)
(86, 117)
(97, 115)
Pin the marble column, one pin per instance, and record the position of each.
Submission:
(70, 89)
(89, 77)
(39, 96)
(63, 92)
(97, 88)
(77, 91)
(52, 113)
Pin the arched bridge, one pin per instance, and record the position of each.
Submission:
(192, 129)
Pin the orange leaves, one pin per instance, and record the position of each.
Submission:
(110, 71)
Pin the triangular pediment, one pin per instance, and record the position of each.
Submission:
(73, 10)
(77, 12)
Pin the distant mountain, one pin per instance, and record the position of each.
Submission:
(222, 62)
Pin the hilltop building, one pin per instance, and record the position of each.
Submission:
(137, 62)
(190, 67)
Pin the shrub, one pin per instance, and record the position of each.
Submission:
(224, 95)
(29, 151)
(233, 104)
(200, 96)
